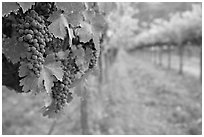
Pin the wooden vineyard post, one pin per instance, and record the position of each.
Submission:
(152, 54)
(155, 53)
(106, 65)
(101, 68)
(201, 64)
(181, 48)
(169, 56)
(160, 55)
(84, 114)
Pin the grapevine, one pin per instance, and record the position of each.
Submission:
(53, 51)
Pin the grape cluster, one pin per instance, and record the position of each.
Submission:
(55, 45)
(60, 91)
(93, 59)
(45, 8)
(61, 95)
(33, 32)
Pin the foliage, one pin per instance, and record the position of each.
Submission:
(181, 28)
(54, 46)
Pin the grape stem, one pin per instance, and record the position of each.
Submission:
(52, 127)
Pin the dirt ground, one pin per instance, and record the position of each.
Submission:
(138, 97)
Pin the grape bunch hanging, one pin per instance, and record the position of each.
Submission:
(51, 47)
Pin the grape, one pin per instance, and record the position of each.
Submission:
(45, 8)
(36, 45)
(30, 66)
(43, 31)
(31, 41)
(42, 46)
(46, 39)
(27, 25)
(39, 19)
(35, 69)
(61, 85)
(35, 31)
(20, 39)
(37, 65)
(28, 36)
(40, 67)
(30, 32)
(33, 49)
(37, 74)
(26, 31)
(66, 88)
(28, 18)
(35, 41)
(26, 45)
(35, 52)
(28, 49)
(43, 50)
(33, 13)
(20, 26)
(34, 57)
(21, 31)
(14, 25)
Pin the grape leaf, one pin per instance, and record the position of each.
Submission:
(58, 26)
(85, 32)
(96, 20)
(51, 68)
(88, 54)
(47, 99)
(84, 76)
(23, 70)
(50, 110)
(79, 89)
(98, 23)
(8, 7)
(75, 18)
(30, 82)
(80, 61)
(55, 69)
(26, 5)
(78, 52)
(54, 16)
(48, 79)
(63, 54)
(88, 15)
(106, 7)
(92, 6)
(70, 7)
(14, 49)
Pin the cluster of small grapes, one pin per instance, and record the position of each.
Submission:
(93, 59)
(33, 32)
(45, 8)
(61, 90)
(61, 95)
(55, 45)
